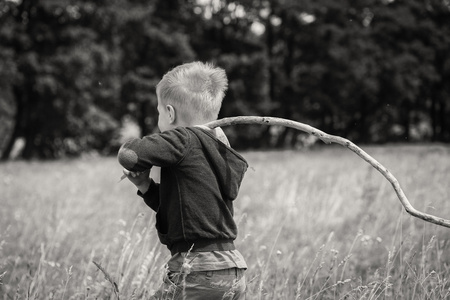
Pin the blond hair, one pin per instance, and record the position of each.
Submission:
(195, 89)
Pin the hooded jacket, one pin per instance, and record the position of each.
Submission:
(200, 178)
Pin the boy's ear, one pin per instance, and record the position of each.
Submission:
(171, 112)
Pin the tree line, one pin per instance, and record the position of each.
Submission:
(72, 73)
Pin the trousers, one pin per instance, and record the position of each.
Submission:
(227, 284)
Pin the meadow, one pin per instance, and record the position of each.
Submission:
(313, 224)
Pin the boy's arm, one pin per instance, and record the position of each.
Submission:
(164, 149)
(138, 156)
(140, 179)
(148, 189)
(151, 196)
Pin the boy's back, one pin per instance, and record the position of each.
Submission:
(200, 177)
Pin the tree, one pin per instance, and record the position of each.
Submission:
(8, 74)
(154, 38)
(438, 36)
(63, 70)
(369, 70)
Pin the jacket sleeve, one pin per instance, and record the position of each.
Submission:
(163, 149)
(151, 196)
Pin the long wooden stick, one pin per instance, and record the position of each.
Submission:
(328, 139)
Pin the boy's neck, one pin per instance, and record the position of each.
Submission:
(193, 123)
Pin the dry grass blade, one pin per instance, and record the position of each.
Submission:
(109, 278)
(327, 138)
(1, 277)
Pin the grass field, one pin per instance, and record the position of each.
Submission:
(320, 224)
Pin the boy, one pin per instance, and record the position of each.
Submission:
(200, 176)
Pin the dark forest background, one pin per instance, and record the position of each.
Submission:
(74, 73)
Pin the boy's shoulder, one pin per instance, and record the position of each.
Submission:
(216, 133)
(213, 144)
(176, 135)
(208, 138)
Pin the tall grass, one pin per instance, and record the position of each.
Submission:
(317, 224)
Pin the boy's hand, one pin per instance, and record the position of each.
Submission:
(140, 179)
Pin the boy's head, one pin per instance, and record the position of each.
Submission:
(190, 94)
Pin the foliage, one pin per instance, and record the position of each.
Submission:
(154, 38)
(65, 72)
(372, 70)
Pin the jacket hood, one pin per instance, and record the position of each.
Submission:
(228, 165)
